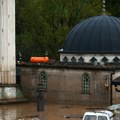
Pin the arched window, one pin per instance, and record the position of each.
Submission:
(42, 81)
(85, 83)
(81, 60)
(73, 59)
(65, 59)
(116, 60)
(104, 59)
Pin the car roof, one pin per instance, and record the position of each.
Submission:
(100, 113)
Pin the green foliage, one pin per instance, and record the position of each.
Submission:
(113, 6)
(42, 25)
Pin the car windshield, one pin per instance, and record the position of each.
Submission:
(102, 118)
(90, 117)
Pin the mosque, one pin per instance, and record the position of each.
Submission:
(88, 71)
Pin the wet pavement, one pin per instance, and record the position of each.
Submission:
(28, 111)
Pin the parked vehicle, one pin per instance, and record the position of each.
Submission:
(110, 113)
(98, 115)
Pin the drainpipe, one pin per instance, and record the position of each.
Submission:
(111, 95)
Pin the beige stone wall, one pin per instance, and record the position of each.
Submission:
(64, 85)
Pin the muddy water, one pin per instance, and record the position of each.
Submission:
(28, 111)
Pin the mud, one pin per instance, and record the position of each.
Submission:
(28, 111)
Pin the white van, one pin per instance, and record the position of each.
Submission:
(98, 115)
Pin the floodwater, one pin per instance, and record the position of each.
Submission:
(28, 111)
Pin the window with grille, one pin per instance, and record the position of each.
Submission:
(85, 83)
(42, 81)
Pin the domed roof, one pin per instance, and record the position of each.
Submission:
(99, 34)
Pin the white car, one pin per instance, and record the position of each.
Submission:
(98, 115)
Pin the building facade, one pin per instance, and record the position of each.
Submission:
(71, 85)
(89, 63)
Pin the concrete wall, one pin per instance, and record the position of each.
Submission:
(64, 85)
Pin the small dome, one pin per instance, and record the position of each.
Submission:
(99, 34)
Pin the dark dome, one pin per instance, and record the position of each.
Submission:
(99, 34)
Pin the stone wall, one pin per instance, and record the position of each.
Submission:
(64, 85)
